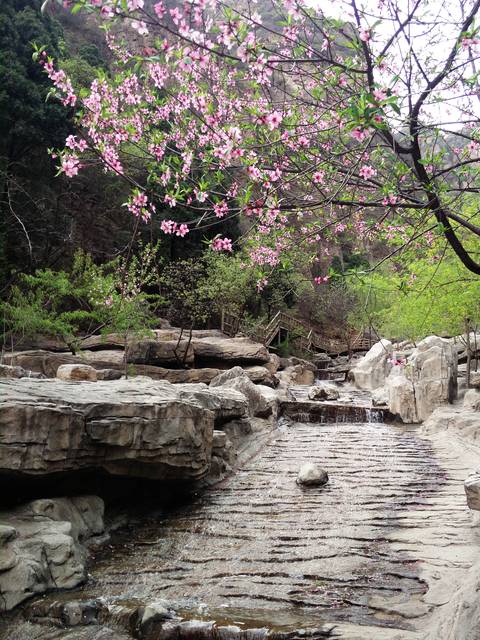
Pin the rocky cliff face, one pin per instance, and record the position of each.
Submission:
(413, 385)
(425, 381)
(136, 427)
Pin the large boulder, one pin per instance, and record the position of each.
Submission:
(297, 374)
(380, 397)
(76, 372)
(261, 375)
(457, 420)
(401, 397)
(224, 402)
(136, 427)
(372, 370)
(47, 363)
(160, 353)
(236, 378)
(472, 490)
(427, 380)
(258, 405)
(226, 376)
(41, 546)
(273, 364)
(40, 361)
(213, 350)
(7, 371)
(475, 379)
(471, 400)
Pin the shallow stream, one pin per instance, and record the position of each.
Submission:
(258, 550)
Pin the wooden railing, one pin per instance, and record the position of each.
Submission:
(306, 340)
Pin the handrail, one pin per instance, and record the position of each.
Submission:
(310, 342)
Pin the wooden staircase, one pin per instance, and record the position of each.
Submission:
(283, 326)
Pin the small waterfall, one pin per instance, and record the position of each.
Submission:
(330, 412)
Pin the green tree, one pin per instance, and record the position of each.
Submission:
(111, 298)
(28, 124)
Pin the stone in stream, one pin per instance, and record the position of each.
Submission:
(311, 475)
(156, 611)
(323, 391)
(472, 490)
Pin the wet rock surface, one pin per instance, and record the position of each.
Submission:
(381, 545)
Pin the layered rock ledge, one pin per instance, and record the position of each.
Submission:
(136, 427)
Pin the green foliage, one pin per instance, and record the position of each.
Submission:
(39, 305)
(26, 119)
(90, 298)
(197, 289)
(428, 295)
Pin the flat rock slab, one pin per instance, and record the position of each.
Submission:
(136, 427)
(235, 350)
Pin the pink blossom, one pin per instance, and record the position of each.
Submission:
(140, 26)
(159, 10)
(70, 165)
(318, 177)
(221, 209)
(367, 172)
(107, 12)
(170, 200)
(133, 5)
(469, 42)
(380, 94)
(222, 244)
(261, 284)
(390, 199)
(364, 34)
(72, 143)
(253, 172)
(321, 279)
(182, 230)
(273, 120)
(168, 226)
(359, 134)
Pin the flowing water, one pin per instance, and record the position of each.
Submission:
(258, 550)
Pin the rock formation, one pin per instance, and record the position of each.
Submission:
(137, 427)
(311, 475)
(426, 380)
(472, 490)
(42, 546)
(372, 370)
(323, 391)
